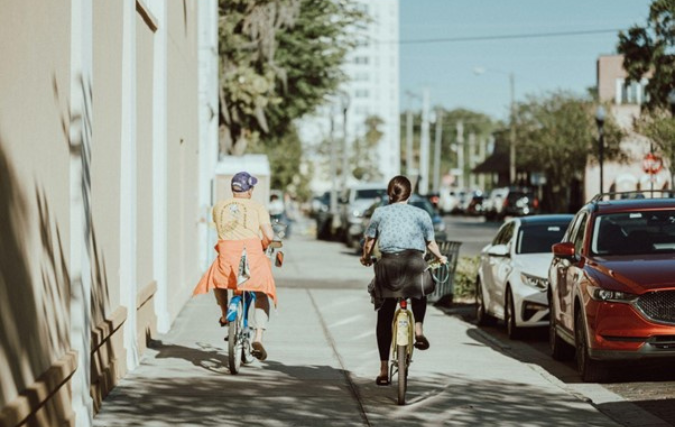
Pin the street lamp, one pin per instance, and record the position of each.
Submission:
(512, 113)
(600, 121)
(344, 101)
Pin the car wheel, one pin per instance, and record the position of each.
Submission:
(589, 369)
(482, 316)
(512, 329)
(560, 350)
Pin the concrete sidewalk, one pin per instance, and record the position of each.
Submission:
(322, 365)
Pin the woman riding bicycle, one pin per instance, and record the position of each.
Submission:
(241, 222)
(403, 232)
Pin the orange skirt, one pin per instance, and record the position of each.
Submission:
(223, 272)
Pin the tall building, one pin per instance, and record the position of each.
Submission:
(372, 89)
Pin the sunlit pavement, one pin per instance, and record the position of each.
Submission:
(323, 361)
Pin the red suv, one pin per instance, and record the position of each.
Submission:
(612, 285)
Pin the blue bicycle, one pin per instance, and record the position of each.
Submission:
(239, 334)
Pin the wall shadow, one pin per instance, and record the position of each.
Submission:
(34, 286)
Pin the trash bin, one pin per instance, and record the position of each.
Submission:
(443, 293)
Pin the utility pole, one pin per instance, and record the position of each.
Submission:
(472, 160)
(512, 148)
(437, 149)
(481, 158)
(409, 138)
(460, 154)
(345, 155)
(333, 165)
(424, 145)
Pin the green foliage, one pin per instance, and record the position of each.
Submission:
(464, 282)
(363, 162)
(362, 152)
(557, 134)
(650, 48)
(279, 60)
(285, 155)
(659, 126)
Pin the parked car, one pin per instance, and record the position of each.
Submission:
(353, 202)
(512, 272)
(511, 201)
(450, 199)
(475, 207)
(612, 286)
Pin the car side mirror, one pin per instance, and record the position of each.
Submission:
(499, 251)
(563, 250)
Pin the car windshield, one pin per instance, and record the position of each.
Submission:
(538, 238)
(370, 193)
(632, 233)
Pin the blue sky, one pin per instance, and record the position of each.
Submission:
(540, 65)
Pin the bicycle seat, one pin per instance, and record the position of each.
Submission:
(276, 244)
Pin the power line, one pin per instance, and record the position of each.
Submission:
(505, 37)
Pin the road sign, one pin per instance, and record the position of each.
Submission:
(652, 164)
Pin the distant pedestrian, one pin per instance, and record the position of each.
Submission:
(403, 233)
(243, 225)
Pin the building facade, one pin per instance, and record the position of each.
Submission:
(105, 138)
(372, 89)
(625, 100)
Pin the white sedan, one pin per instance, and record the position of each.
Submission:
(512, 283)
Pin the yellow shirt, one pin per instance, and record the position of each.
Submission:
(239, 219)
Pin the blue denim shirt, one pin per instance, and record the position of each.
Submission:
(400, 226)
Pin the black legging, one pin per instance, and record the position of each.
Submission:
(385, 316)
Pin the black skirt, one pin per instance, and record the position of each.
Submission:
(402, 275)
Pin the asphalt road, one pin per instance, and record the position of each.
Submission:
(649, 386)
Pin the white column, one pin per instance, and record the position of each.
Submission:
(159, 166)
(208, 121)
(80, 206)
(128, 187)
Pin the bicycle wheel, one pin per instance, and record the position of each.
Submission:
(234, 341)
(402, 351)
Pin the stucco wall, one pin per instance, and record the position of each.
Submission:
(183, 153)
(34, 183)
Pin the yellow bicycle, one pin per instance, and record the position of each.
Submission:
(402, 345)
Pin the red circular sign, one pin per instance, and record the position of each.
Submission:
(652, 164)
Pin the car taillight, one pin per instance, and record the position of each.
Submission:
(506, 202)
(535, 203)
(434, 200)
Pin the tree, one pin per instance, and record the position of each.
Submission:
(364, 166)
(659, 126)
(279, 61)
(557, 134)
(649, 49)
(285, 155)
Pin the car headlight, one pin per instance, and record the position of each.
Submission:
(534, 281)
(602, 294)
(356, 213)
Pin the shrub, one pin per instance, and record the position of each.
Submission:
(465, 277)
